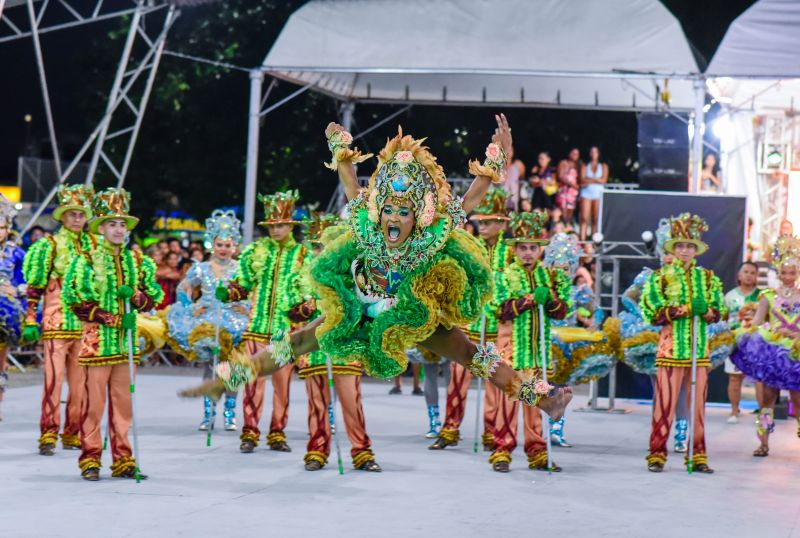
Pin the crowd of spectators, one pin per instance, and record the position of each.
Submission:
(568, 190)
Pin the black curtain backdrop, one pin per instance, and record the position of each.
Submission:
(626, 214)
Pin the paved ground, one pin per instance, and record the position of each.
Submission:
(199, 491)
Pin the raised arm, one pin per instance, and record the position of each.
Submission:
(493, 168)
(343, 158)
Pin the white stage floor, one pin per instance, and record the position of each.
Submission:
(193, 490)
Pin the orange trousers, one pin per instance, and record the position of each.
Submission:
(253, 401)
(60, 358)
(669, 380)
(348, 392)
(506, 429)
(112, 382)
(460, 379)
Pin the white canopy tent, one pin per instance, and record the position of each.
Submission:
(628, 55)
(756, 72)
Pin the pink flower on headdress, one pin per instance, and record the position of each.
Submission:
(428, 211)
(403, 157)
(493, 152)
(345, 137)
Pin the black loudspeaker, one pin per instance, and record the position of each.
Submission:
(663, 144)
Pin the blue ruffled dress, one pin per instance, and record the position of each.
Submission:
(184, 316)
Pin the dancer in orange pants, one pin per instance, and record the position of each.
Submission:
(44, 267)
(268, 274)
(683, 299)
(492, 220)
(98, 288)
(347, 384)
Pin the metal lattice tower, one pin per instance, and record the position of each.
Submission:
(150, 22)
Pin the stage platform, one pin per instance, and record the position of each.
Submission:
(194, 490)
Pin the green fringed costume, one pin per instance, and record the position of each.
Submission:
(45, 266)
(449, 289)
(90, 290)
(515, 287)
(378, 302)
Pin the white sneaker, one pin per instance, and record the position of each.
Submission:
(733, 419)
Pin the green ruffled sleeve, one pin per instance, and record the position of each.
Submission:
(563, 288)
(653, 299)
(716, 298)
(147, 280)
(78, 283)
(38, 263)
(302, 287)
(245, 276)
(501, 292)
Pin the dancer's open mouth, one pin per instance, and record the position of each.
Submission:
(394, 232)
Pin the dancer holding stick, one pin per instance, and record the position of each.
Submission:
(100, 288)
(530, 295)
(329, 379)
(492, 222)
(683, 299)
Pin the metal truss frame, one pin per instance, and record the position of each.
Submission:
(132, 85)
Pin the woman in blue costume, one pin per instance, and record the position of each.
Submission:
(193, 320)
(639, 339)
(12, 289)
(582, 352)
(769, 352)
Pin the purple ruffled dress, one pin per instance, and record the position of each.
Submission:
(767, 356)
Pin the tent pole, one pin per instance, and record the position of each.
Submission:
(251, 174)
(697, 138)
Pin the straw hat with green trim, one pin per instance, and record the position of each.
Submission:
(687, 228)
(74, 198)
(493, 206)
(279, 208)
(112, 204)
(529, 228)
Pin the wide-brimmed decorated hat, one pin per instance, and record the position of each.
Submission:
(493, 206)
(224, 225)
(315, 226)
(112, 204)
(529, 228)
(687, 228)
(74, 198)
(279, 207)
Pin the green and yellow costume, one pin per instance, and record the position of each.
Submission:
(378, 302)
(667, 301)
(90, 291)
(515, 289)
(270, 274)
(46, 261)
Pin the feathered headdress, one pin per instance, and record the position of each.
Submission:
(7, 211)
(563, 251)
(223, 225)
(786, 251)
(408, 172)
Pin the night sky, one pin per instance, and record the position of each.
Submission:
(703, 21)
